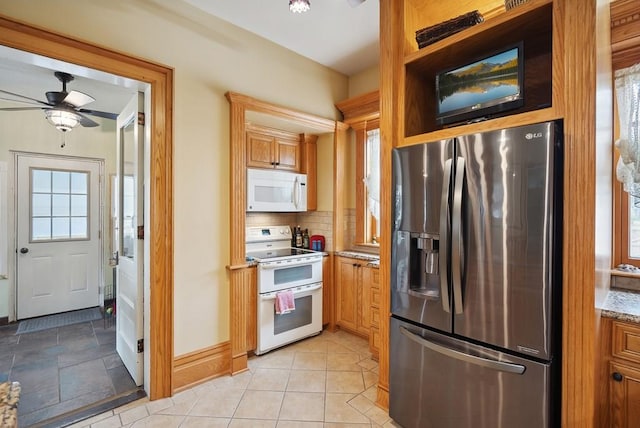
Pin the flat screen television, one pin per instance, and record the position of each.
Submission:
(481, 88)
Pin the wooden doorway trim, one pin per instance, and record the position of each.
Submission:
(40, 41)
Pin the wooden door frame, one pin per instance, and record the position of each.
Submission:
(28, 38)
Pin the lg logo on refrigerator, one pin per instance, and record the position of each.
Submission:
(532, 135)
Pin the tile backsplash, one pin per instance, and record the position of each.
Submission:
(318, 222)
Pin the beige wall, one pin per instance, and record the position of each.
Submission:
(210, 57)
(365, 81)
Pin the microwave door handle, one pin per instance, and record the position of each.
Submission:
(444, 233)
(457, 250)
(296, 196)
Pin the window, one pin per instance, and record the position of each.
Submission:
(59, 205)
(627, 190)
(362, 114)
(368, 183)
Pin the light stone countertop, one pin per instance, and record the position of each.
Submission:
(357, 255)
(623, 305)
(373, 259)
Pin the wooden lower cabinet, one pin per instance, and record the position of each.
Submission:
(624, 374)
(624, 395)
(357, 295)
(621, 345)
(346, 286)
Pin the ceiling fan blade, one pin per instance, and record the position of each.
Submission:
(24, 97)
(13, 100)
(103, 114)
(86, 122)
(20, 108)
(78, 99)
(354, 3)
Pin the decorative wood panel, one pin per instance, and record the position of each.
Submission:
(43, 42)
(244, 294)
(578, 61)
(328, 292)
(309, 166)
(392, 51)
(360, 109)
(197, 367)
(602, 373)
(625, 33)
(339, 171)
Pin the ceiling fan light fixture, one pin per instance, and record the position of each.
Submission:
(63, 120)
(299, 6)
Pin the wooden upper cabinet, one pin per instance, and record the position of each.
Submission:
(287, 154)
(260, 150)
(273, 148)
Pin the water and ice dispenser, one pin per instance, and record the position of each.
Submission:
(418, 271)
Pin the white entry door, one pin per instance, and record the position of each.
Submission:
(58, 234)
(129, 236)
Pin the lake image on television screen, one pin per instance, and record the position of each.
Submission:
(478, 83)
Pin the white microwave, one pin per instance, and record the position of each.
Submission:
(270, 190)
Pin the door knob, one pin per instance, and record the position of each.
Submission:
(24, 250)
(617, 377)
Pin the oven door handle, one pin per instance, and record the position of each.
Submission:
(274, 265)
(272, 295)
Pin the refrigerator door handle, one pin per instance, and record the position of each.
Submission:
(444, 236)
(456, 237)
(452, 353)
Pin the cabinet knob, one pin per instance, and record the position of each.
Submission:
(617, 377)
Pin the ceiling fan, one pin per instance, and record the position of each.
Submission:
(62, 109)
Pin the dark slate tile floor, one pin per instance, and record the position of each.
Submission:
(62, 369)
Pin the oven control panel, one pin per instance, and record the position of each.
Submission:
(267, 233)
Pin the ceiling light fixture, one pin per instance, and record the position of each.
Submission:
(299, 6)
(63, 120)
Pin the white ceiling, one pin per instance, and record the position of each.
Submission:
(331, 33)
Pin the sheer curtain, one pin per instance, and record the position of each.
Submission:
(628, 101)
(372, 179)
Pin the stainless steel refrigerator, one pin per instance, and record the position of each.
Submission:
(475, 331)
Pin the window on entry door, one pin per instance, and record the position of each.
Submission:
(59, 205)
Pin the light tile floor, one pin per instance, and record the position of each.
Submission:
(324, 381)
